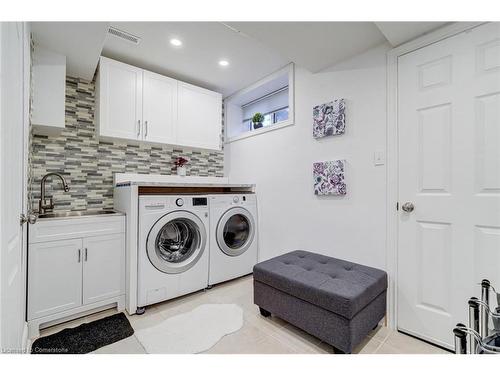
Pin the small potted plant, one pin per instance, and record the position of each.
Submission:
(180, 164)
(257, 120)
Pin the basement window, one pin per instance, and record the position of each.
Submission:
(272, 97)
(270, 118)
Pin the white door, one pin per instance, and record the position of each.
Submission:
(199, 117)
(13, 135)
(449, 169)
(120, 97)
(103, 267)
(159, 108)
(55, 281)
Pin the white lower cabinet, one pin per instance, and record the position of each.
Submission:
(55, 277)
(79, 271)
(103, 267)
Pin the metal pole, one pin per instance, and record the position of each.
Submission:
(473, 324)
(484, 318)
(460, 339)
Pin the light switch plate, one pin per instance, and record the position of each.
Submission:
(379, 158)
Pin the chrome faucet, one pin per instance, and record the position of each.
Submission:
(47, 204)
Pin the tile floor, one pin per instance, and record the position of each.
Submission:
(258, 335)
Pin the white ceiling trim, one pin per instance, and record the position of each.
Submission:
(398, 33)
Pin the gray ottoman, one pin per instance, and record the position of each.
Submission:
(334, 300)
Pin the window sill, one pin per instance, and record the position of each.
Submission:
(253, 133)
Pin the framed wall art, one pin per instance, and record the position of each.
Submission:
(329, 119)
(329, 177)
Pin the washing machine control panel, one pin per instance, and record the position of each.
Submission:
(236, 199)
(187, 202)
(200, 201)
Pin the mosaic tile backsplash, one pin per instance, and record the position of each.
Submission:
(88, 164)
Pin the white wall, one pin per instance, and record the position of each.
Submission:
(280, 163)
(233, 114)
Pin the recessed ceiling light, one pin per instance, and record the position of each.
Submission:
(223, 63)
(175, 42)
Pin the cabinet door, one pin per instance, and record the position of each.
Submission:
(49, 92)
(120, 100)
(103, 267)
(199, 117)
(54, 277)
(159, 105)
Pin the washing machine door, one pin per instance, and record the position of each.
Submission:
(176, 242)
(235, 231)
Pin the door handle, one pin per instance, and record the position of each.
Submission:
(29, 218)
(138, 128)
(79, 255)
(85, 254)
(408, 207)
(145, 129)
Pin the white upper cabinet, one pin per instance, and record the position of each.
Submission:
(199, 117)
(119, 100)
(138, 105)
(159, 108)
(49, 92)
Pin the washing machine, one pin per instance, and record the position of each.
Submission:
(233, 236)
(173, 247)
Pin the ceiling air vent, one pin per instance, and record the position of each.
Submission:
(124, 35)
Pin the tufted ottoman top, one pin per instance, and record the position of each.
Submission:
(339, 286)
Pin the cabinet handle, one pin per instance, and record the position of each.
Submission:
(85, 252)
(138, 127)
(145, 129)
(79, 255)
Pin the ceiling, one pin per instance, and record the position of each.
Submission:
(314, 45)
(253, 49)
(197, 61)
(80, 42)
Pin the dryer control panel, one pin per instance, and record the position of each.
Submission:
(233, 199)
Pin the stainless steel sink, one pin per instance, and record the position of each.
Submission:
(54, 215)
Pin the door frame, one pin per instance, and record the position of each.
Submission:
(26, 171)
(392, 141)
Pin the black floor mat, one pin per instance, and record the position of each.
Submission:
(86, 337)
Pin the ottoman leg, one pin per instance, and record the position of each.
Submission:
(264, 312)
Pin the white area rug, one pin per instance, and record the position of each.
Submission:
(192, 332)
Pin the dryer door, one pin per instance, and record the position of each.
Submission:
(235, 231)
(176, 242)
